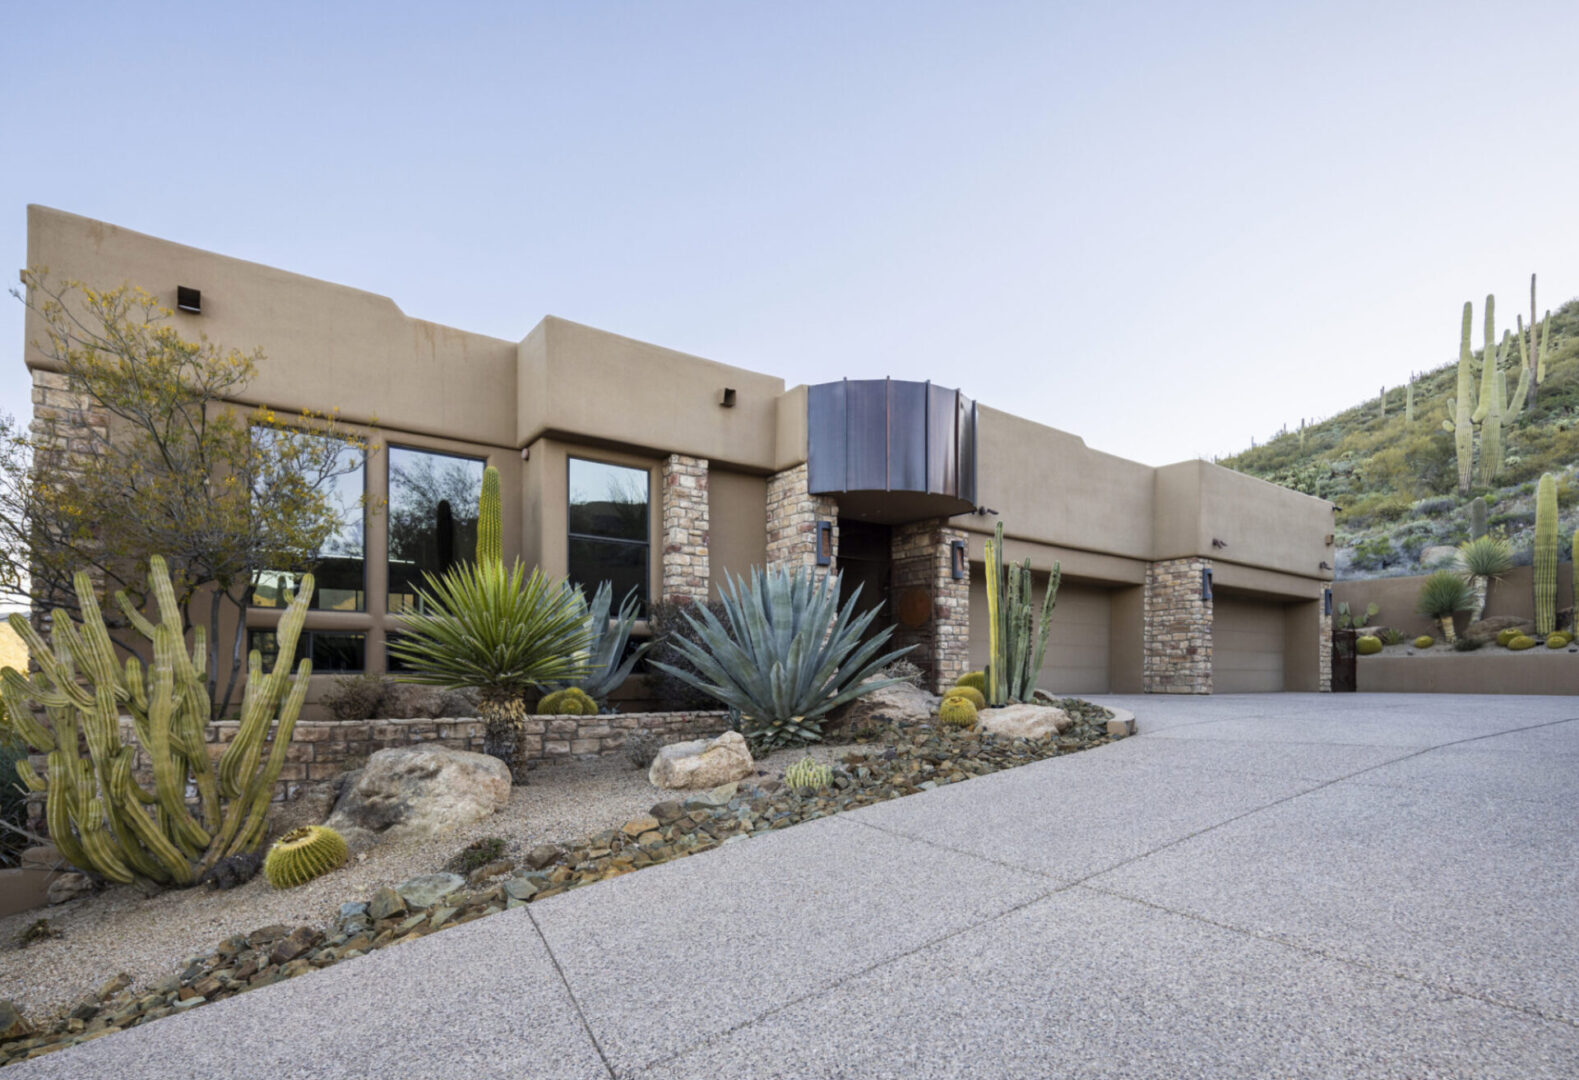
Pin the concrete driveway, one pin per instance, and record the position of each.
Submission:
(1260, 886)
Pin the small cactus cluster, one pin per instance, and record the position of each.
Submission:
(970, 694)
(1424, 641)
(975, 680)
(807, 775)
(1559, 640)
(957, 712)
(1367, 645)
(572, 702)
(1506, 636)
(1522, 642)
(303, 854)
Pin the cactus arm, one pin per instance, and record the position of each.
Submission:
(1486, 366)
(1463, 426)
(1054, 579)
(490, 530)
(249, 816)
(994, 644)
(133, 616)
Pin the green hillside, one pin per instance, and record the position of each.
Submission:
(1396, 482)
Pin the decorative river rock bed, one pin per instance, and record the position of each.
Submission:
(903, 760)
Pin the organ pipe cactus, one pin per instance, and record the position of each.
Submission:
(1014, 666)
(198, 811)
(1532, 359)
(490, 521)
(1546, 555)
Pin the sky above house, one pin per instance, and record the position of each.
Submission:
(1168, 228)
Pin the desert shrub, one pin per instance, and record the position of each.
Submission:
(903, 670)
(13, 800)
(405, 701)
(355, 697)
(1467, 644)
(1391, 636)
(669, 627)
(477, 854)
(1374, 554)
(1436, 504)
(641, 748)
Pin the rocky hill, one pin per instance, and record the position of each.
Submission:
(1392, 468)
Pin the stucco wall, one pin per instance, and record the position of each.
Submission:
(739, 515)
(1489, 671)
(1513, 594)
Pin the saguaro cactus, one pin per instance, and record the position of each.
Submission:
(1409, 399)
(1546, 555)
(1014, 666)
(1477, 518)
(1462, 425)
(199, 811)
(490, 523)
(1532, 360)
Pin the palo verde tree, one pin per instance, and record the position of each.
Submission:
(146, 454)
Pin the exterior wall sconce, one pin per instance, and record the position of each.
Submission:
(1323, 565)
(726, 397)
(1326, 602)
(1219, 543)
(189, 299)
(956, 550)
(1206, 583)
(824, 543)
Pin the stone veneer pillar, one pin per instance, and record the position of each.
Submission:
(68, 430)
(686, 568)
(1324, 645)
(793, 513)
(1178, 629)
(921, 562)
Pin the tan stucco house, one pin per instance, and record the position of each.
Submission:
(662, 471)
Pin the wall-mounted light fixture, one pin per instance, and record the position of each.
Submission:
(1326, 601)
(189, 299)
(1328, 539)
(1216, 543)
(726, 397)
(1206, 583)
(957, 564)
(983, 511)
(1323, 565)
(824, 543)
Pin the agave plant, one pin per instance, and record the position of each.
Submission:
(608, 637)
(500, 630)
(1442, 595)
(788, 655)
(1480, 560)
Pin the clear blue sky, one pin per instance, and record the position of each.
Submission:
(1165, 227)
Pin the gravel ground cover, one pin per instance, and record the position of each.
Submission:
(122, 959)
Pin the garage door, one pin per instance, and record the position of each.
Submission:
(1077, 645)
(1247, 645)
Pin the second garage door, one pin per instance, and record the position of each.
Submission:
(1077, 644)
(1247, 645)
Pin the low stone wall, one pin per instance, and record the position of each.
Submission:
(1488, 671)
(321, 750)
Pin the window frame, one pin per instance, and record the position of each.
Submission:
(366, 591)
(645, 544)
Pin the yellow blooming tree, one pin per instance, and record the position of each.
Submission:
(148, 454)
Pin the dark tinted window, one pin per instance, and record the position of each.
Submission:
(610, 506)
(432, 517)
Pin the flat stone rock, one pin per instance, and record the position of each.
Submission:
(386, 904)
(429, 889)
(1486, 630)
(1025, 721)
(901, 703)
(638, 825)
(702, 763)
(414, 792)
(69, 887)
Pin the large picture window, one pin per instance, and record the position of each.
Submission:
(432, 518)
(610, 506)
(340, 570)
(329, 650)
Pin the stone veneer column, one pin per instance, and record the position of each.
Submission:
(686, 569)
(68, 430)
(1324, 644)
(1178, 629)
(921, 559)
(793, 513)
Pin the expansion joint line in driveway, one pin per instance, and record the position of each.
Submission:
(575, 1002)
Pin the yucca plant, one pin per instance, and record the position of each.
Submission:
(1442, 595)
(788, 655)
(1480, 560)
(502, 631)
(608, 637)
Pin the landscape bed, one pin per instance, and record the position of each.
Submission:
(883, 760)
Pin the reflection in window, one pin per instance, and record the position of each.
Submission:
(432, 518)
(609, 508)
(338, 568)
(329, 650)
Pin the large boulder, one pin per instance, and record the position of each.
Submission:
(702, 763)
(900, 703)
(411, 792)
(1486, 630)
(1025, 721)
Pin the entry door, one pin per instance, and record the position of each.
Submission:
(864, 551)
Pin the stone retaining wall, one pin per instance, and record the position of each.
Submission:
(321, 750)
